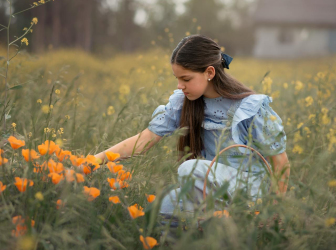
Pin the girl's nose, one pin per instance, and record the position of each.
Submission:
(180, 85)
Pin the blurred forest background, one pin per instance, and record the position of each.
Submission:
(107, 27)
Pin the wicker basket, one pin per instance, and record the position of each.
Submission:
(223, 150)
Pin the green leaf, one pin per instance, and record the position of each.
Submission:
(17, 87)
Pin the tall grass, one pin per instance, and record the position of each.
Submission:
(99, 103)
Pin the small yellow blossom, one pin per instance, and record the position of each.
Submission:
(51, 106)
(45, 109)
(292, 189)
(332, 183)
(300, 125)
(285, 85)
(110, 110)
(57, 91)
(311, 116)
(309, 101)
(24, 28)
(329, 222)
(298, 85)
(59, 142)
(288, 122)
(35, 3)
(259, 201)
(30, 134)
(25, 40)
(14, 125)
(199, 28)
(166, 30)
(67, 117)
(187, 33)
(39, 101)
(39, 196)
(124, 89)
(297, 149)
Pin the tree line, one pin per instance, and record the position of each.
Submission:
(94, 27)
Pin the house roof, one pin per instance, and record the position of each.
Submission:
(302, 12)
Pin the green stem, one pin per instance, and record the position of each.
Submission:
(22, 35)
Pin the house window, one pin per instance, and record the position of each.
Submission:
(286, 36)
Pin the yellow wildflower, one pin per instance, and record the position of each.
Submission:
(298, 85)
(35, 3)
(110, 110)
(332, 183)
(199, 28)
(309, 101)
(45, 109)
(259, 201)
(39, 101)
(39, 196)
(124, 89)
(285, 85)
(24, 28)
(51, 106)
(187, 33)
(57, 91)
(299, 125)
(329, 222)
(14, 125)
(35, 20)
(67, 117)
(25, 40)
(297, 149)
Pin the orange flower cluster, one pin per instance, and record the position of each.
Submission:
(20, 227)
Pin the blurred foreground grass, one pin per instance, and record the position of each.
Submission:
(86, 105)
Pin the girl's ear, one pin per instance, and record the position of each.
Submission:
(210, 72)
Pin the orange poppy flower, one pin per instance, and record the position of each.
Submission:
(148, 242)
(56, 178)
(257, 212)
(30, 154)
(20, 227)
(91, 192)
(124, 175)
(59, 204)
(113, 167)
(21, 183)
(2, 160)
(150, 198)
(86, 170)
(114, 199)
(116, 183)
(79, 178)
(48, 147)
(76, 161)
(15, 143)
(91, 159)
(63, 154)
(2, 187)
(220, 214)
(55, 167)
(135, 212)
(112, 156)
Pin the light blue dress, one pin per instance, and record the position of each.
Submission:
(250, 121)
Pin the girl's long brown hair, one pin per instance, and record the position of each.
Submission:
(197, 53)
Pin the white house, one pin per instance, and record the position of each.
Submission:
(295, 28)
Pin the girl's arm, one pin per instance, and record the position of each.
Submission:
(142, 142)
(281, 165)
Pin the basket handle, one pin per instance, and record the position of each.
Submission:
(223, 150)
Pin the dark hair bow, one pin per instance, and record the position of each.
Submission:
(226, 60)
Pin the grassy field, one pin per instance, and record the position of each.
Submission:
(85, 104)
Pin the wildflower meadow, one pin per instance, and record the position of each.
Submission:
(60, 108)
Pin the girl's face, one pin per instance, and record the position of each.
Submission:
(195, 84)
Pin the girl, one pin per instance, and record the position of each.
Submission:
(217, 111)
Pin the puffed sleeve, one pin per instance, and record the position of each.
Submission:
(257, 124)
(166, 118)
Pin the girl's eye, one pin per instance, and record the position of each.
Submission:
(186, 80)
